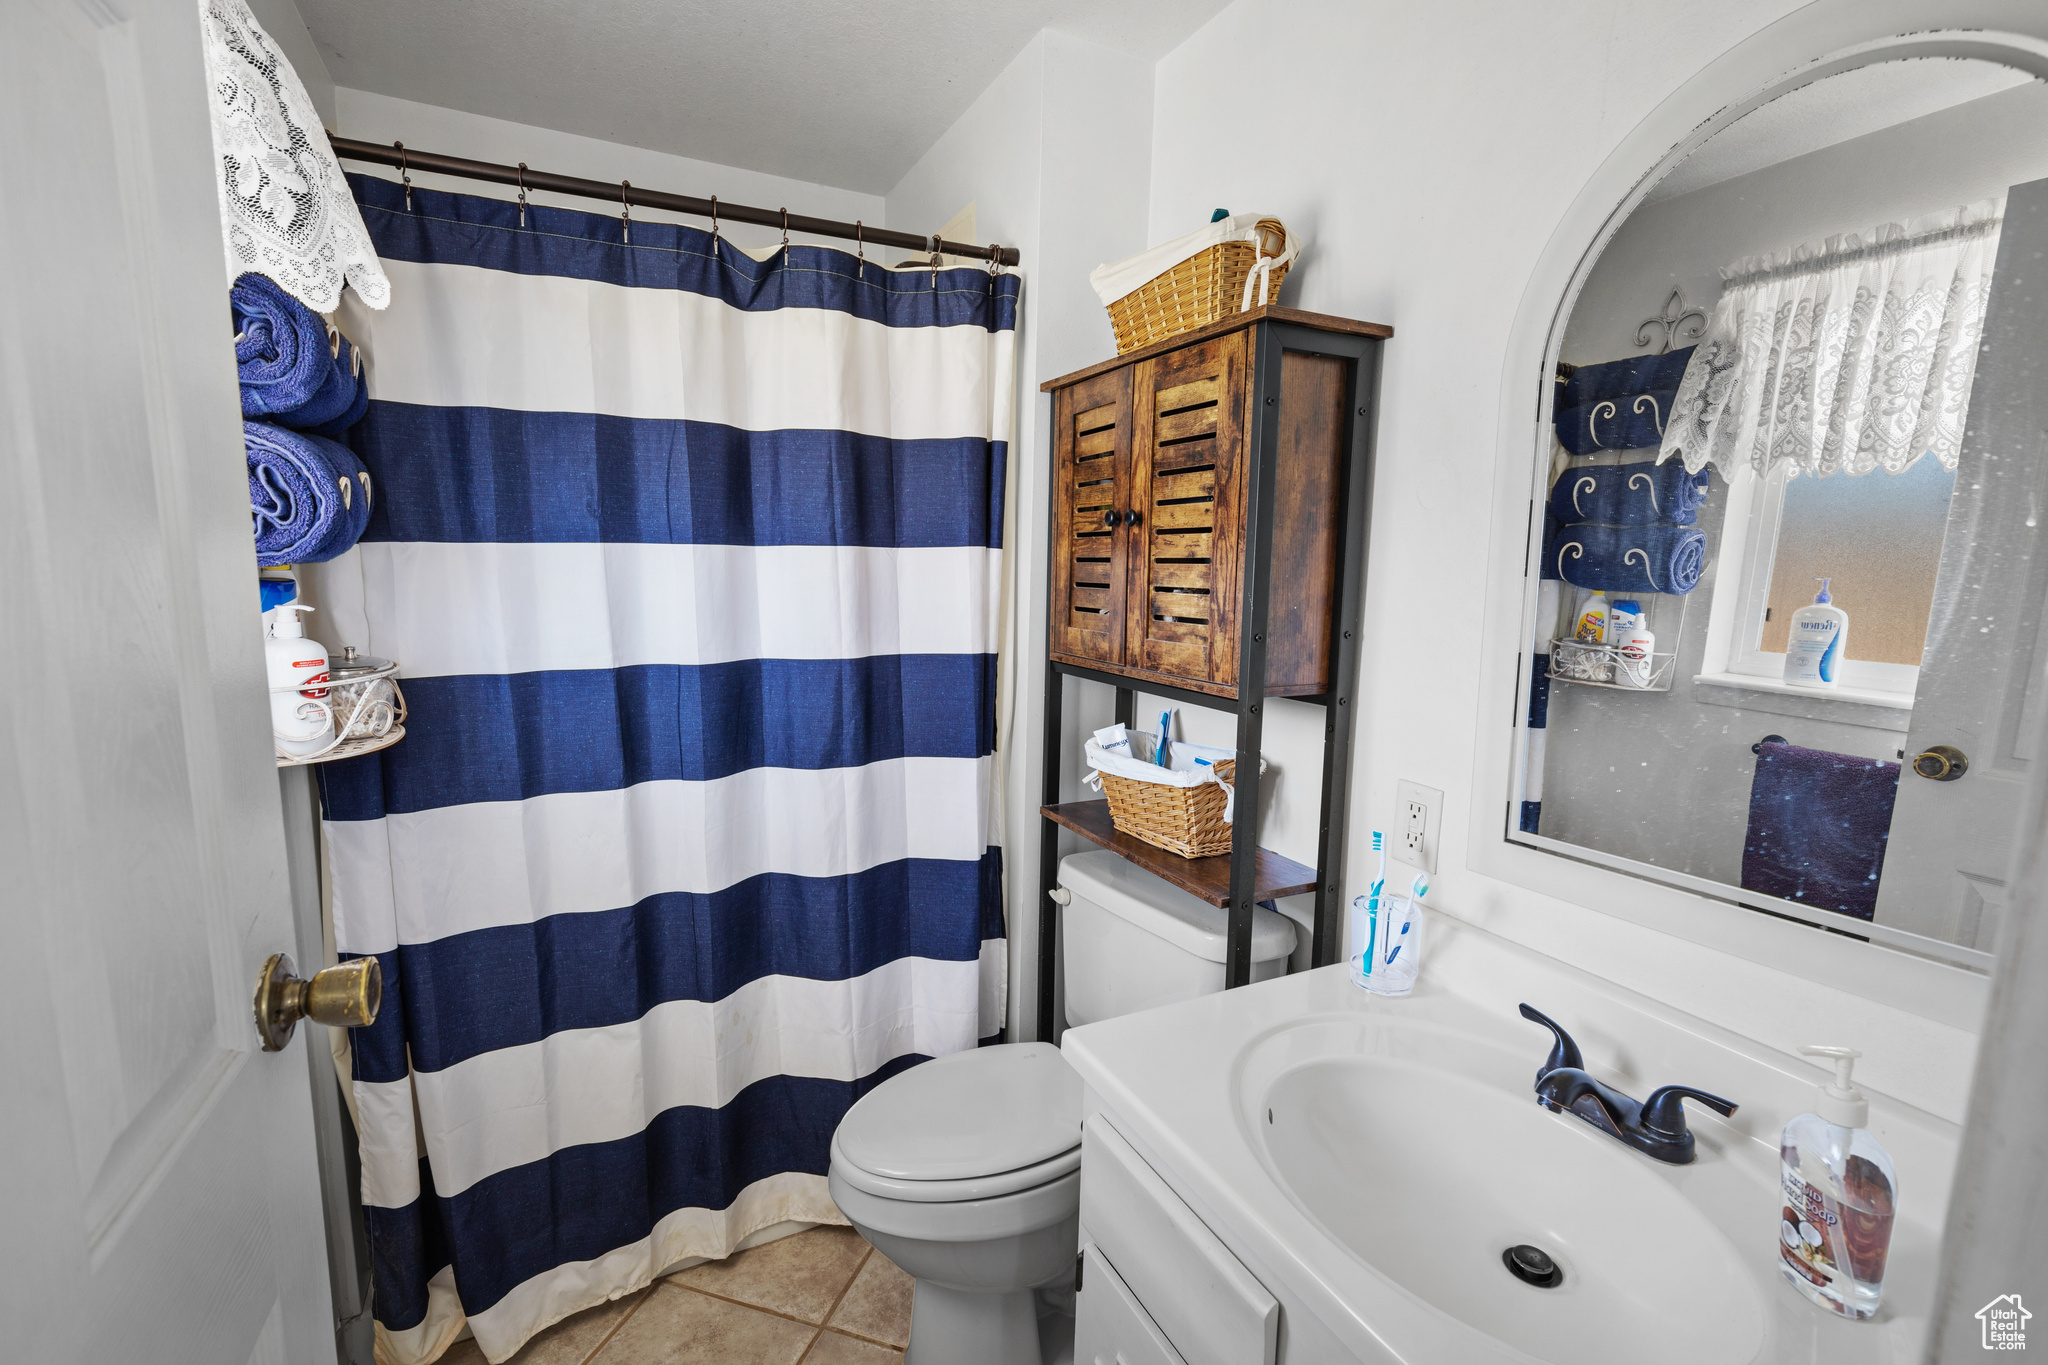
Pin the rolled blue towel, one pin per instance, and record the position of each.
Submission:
(347, 364)
(310, 496)
(287, 370)
(1616, 378)
(1626, 558)
(1629, 421)
(1641, 493)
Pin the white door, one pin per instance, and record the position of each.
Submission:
(1981, 687)
(158, 1196)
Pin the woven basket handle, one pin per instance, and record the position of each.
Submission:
(1266, 230)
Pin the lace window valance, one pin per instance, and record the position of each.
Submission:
(1849, 356)
(285, 210)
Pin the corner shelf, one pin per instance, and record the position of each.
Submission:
(1205, 878)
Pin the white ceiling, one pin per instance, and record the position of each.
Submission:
(1835, 110)
(836, 93)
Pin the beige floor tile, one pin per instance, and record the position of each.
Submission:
(878, 1303)
(833, 1349)
(801, 1275)
(568, 1342)
(678, 1327)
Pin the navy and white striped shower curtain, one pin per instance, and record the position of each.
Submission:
(691, 562)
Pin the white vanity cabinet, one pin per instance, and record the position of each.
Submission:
(1157, 1286)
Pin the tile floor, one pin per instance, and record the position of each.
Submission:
(822, 1297)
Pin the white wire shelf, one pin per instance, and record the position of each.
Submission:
(366, 709)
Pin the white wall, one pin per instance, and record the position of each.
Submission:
(1055, 156)
(1428, 154)
(380, 118)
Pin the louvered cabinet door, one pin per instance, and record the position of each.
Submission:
(1188, 453)
(1091, 490)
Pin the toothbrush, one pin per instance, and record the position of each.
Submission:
(1419, 888)
(1372, 904)
(1165, 720)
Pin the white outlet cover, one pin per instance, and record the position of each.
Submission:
(1432, 802)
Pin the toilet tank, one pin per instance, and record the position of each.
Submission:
(1130, 941)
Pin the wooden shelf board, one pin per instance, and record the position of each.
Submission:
(1270, 312)
(1207, 878)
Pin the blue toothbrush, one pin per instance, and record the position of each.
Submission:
(1165, 720)
(1372, 904)
(1420, 888)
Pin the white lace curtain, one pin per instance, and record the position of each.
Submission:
(1842, 358)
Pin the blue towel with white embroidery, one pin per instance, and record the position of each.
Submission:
(1637, 494)
(1619, 405)
(310, 496)
(289, 370)
(1626, 558)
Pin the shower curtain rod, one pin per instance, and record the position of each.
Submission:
(403, 157)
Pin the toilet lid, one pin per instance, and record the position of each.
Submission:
(973, 1113)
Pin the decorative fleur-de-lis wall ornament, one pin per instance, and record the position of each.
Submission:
(1675, 319)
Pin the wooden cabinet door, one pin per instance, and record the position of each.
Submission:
(1091, 490)
(1188, 454)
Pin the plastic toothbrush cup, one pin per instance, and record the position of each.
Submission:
(1398, 956)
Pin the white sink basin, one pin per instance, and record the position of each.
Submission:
(1424, 1154)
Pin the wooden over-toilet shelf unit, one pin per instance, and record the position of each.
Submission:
(1210, 502)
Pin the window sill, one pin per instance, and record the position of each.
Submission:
(1848, 705)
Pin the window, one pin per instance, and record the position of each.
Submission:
(1877, 537)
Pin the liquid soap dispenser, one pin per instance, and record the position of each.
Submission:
(1817, 641)
(1841, 1195)
(300, 719)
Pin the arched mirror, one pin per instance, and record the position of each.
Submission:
(1790, 507)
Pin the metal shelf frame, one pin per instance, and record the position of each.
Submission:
(1271, 340)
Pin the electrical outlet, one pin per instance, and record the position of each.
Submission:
(1418, 824)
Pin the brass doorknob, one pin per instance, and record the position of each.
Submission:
(1941, 763)
(343, 996)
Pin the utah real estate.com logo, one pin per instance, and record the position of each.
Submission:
(2005, 1323)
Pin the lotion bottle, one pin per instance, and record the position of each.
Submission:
(1817, 642)
(1841, 1194)
(300, 719)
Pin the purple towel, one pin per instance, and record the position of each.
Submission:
(1817, 827)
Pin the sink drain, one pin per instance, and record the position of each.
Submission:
(1532, 1265)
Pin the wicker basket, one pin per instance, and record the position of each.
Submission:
(1206, 287)
(1184, 820)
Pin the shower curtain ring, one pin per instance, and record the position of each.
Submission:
(403, 175)
(714, 229)
(626, 211)
(785, 230)
(522, 194)
(935, 261)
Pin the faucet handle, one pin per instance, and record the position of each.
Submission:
(1563, 1052)
(1664, 1111)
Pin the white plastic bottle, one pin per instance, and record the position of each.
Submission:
(1635, 655)
(1817, 643)
(1841, 1195)
(300, 719)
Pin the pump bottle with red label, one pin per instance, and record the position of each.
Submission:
(300, 717)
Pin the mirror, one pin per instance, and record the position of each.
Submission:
(1787, 526)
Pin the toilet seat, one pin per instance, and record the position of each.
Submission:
(955, 1191)
(973, 1125)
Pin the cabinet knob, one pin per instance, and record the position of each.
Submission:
(1109, 519)
(1131, 518)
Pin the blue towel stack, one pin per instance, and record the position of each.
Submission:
(1625, 528)
(310, 496)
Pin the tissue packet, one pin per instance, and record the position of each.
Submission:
(1114, 739)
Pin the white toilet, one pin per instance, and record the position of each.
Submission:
(966, 1171)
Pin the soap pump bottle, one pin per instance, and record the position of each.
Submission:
(300, 719)
(1817, 641)
(1841, 1195)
